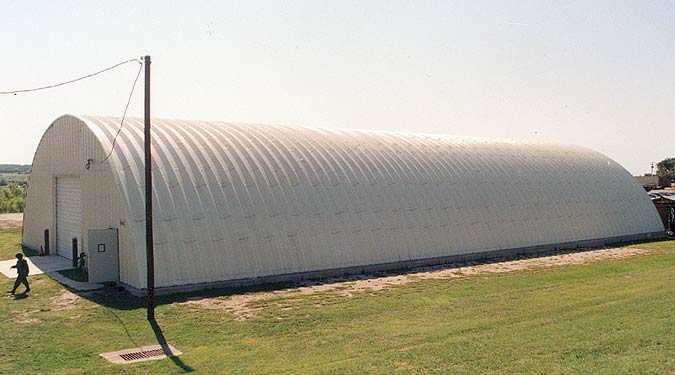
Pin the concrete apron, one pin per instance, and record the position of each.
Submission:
(49, 265)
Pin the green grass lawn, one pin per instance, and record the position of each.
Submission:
(10, 243)
(611, 317)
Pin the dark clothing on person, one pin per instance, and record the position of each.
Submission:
(22, 267)
(22, 278)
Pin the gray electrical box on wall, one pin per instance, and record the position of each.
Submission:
(102, 255)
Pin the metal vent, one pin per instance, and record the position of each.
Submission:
(144, 353)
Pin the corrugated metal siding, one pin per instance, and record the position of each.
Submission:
(63, 152)
(241, 201)
(99, 185)
(37, 213)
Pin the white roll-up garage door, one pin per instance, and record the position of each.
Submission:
(68, 215)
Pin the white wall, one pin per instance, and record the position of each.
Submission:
(63, 151)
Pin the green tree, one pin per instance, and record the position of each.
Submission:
(666, 168)
(12, 198)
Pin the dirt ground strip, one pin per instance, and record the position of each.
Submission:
(248, 305)
(66, 301)
(10, 221)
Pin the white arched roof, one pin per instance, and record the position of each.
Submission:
(236, 201)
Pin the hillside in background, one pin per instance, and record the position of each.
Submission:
(15, 168)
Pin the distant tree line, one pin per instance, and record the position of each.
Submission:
(15, 168)
(12, 198)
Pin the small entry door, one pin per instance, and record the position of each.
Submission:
(103, 255)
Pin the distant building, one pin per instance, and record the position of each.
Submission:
(652, 182)
(665, 205)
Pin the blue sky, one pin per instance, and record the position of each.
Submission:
(599, 74)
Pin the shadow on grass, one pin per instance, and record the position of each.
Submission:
(77, 274)
(23, 295)
(161, 340)
(645, 241)
(28, 252)
(115, 297)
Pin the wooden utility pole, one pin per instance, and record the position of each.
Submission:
(149, 243)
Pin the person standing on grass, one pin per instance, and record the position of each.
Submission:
(22, 269)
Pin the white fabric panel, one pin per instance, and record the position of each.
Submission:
(68, 216)
(237, 201)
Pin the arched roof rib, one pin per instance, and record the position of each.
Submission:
(258, 200)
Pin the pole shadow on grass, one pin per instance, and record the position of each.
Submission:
(124, 326)
(161, 340)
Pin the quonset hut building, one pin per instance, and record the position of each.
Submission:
(237, 203)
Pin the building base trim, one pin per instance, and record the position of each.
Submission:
(398, 266)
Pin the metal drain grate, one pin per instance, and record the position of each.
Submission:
(144, 353)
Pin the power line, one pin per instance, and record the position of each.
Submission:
(71, 81)
(126, 108)
(140, 67)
